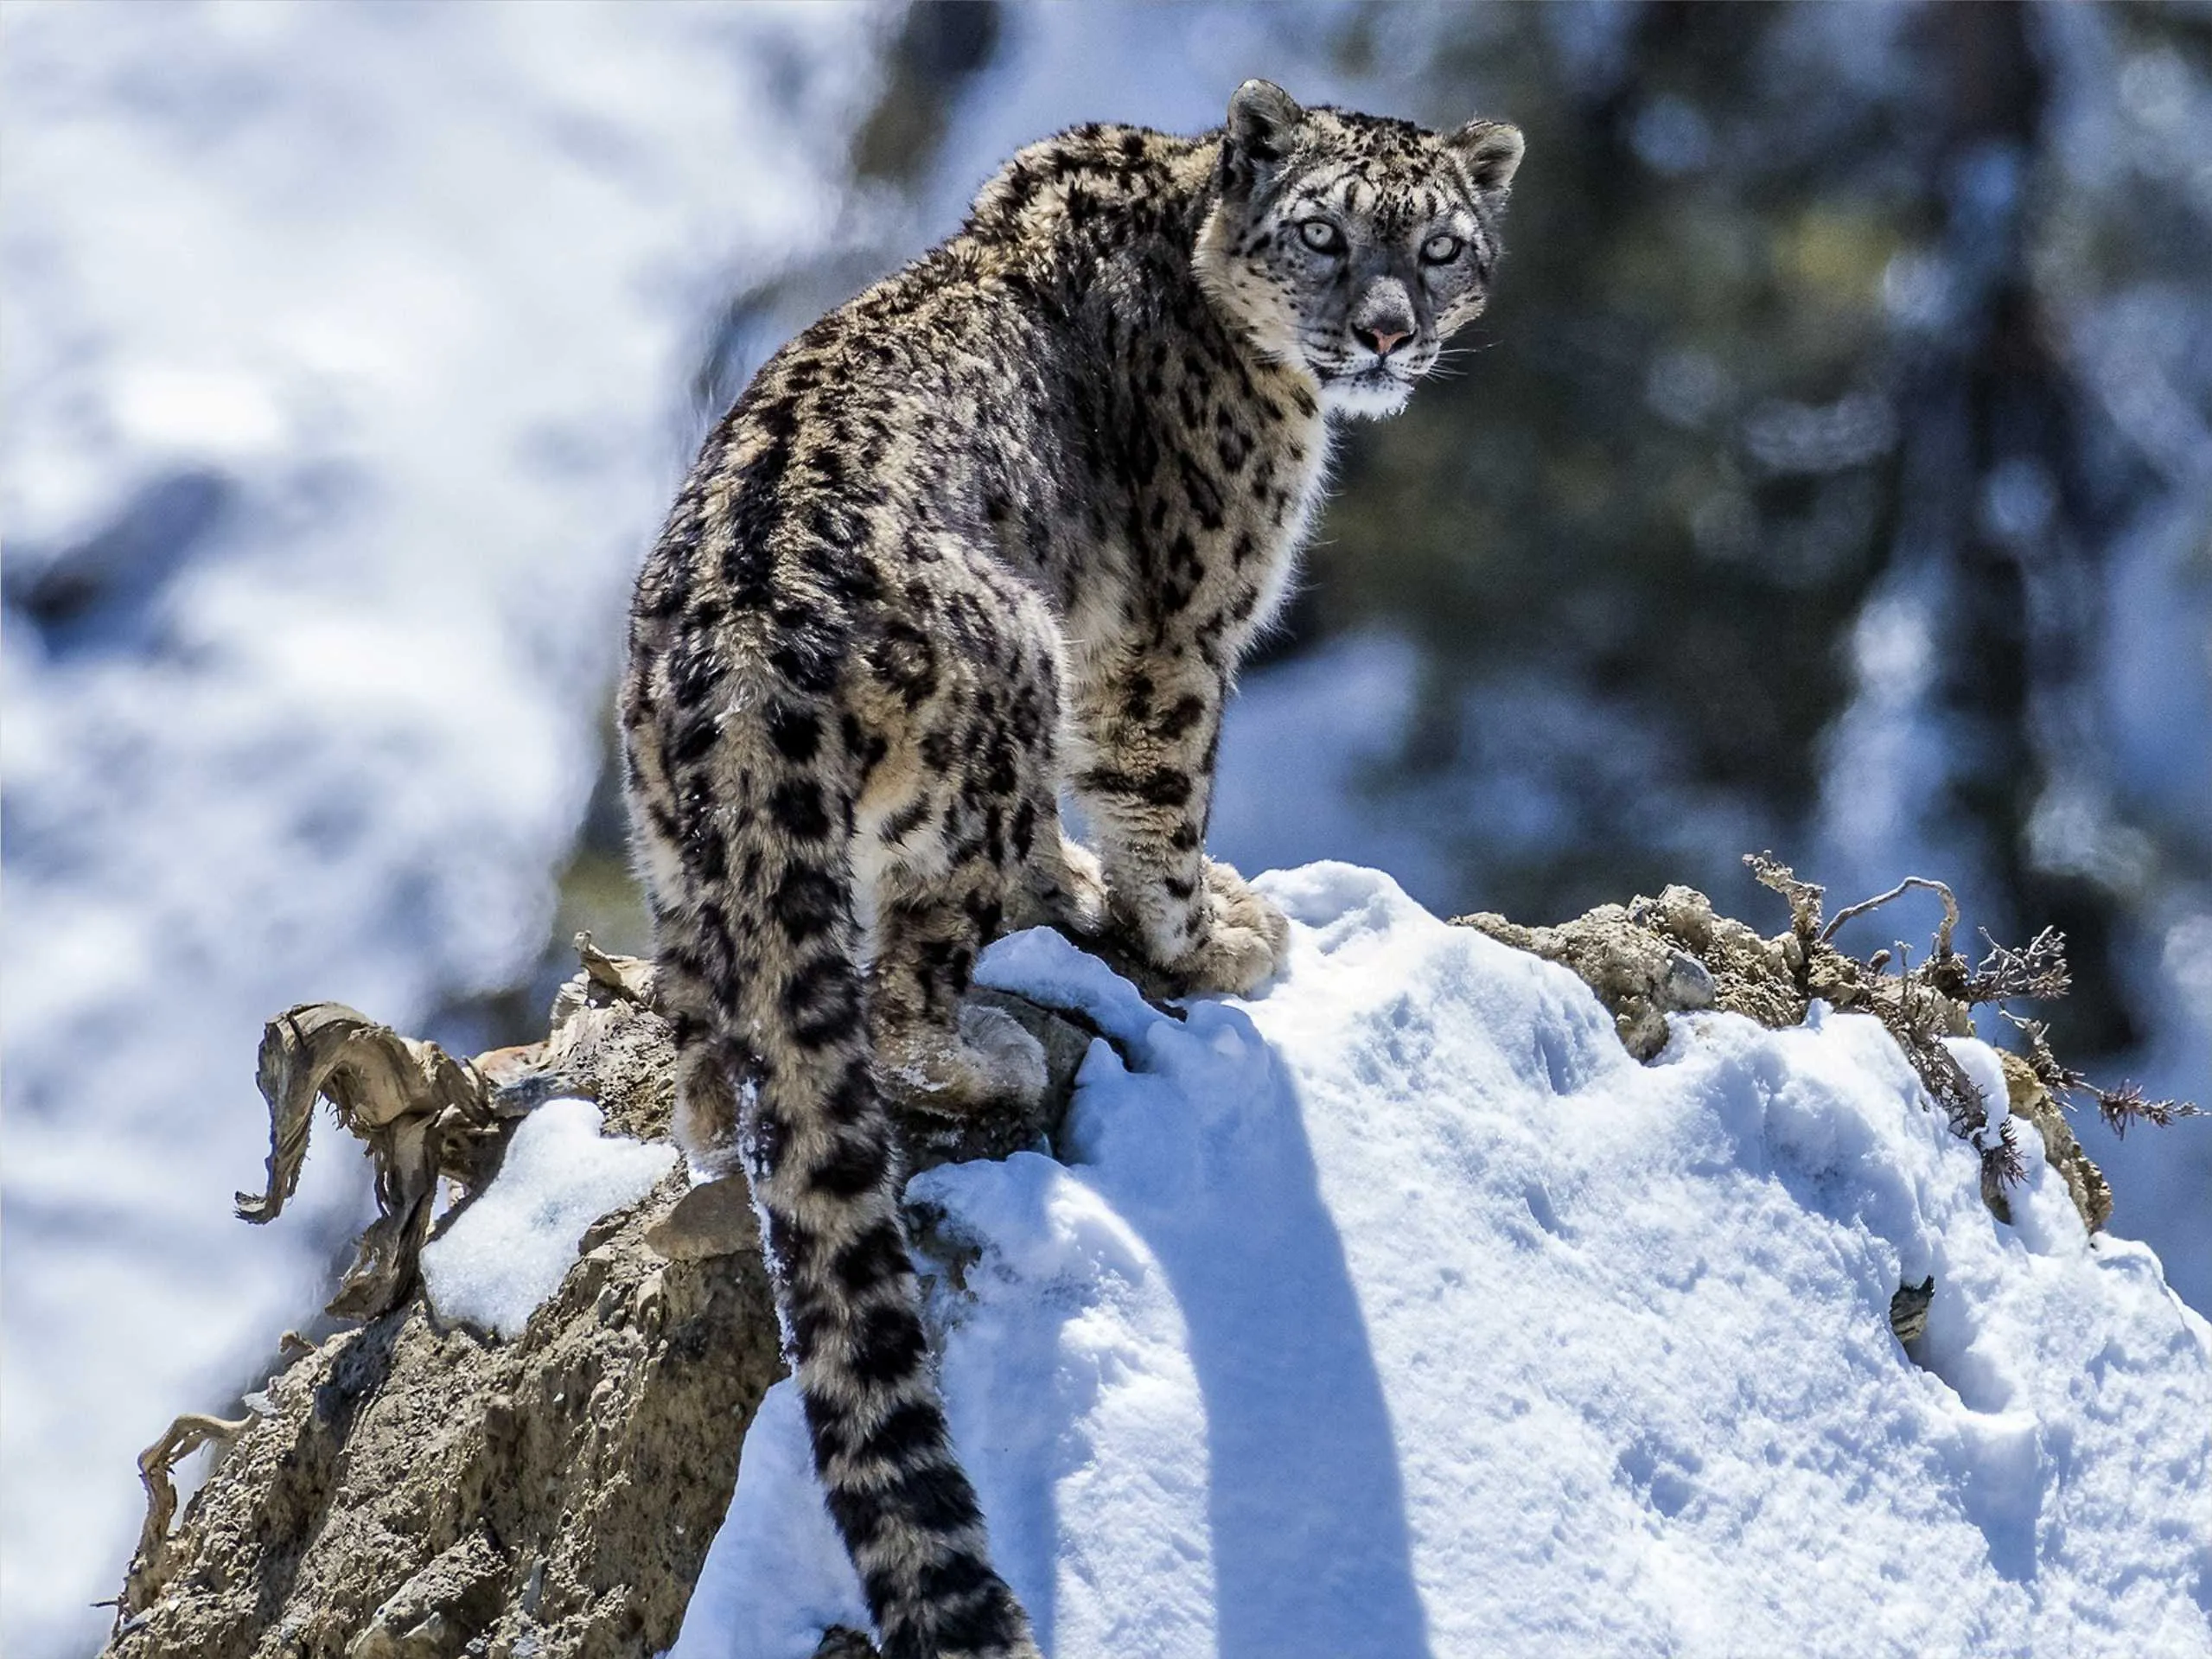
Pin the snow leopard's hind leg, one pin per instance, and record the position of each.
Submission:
(711, 1071)
(935, 1048)
(961, 835)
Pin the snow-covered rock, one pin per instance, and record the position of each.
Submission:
(1397, 1310)
(509, 1250)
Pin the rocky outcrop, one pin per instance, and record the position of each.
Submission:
(1654, 957)
(412, 1488)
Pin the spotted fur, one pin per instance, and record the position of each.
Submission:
(1001, 526)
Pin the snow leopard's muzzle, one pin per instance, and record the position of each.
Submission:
(1385, 340)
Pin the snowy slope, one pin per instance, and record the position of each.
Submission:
(348, 343)
(1396, 1310)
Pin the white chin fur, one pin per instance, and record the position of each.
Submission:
(1376, 397)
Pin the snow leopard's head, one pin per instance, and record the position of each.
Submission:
(1353, 243)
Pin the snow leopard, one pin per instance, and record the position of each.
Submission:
(999, 528)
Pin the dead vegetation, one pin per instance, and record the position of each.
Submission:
(1923, 1003)
(425, 1115)
(1673, 954)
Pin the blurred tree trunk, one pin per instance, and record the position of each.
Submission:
(1993, 483)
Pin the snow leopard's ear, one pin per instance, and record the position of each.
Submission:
(1262, 118)
(1490, 151)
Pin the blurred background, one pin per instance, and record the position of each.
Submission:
(1833, 473)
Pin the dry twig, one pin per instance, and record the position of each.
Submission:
(1923, 1004)
(1942, 933)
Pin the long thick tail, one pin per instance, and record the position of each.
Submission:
(761, 946)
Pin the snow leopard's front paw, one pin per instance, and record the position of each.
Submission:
(1244, 940)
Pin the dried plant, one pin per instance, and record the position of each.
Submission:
(1804, 898)
(2122, 1107)
(2037, 973)
(1922, 1005)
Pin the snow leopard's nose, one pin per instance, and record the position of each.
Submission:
(1379, 338)
(1384, 317)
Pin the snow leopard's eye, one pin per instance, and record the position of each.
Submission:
(1441, 249)
(1322, 236)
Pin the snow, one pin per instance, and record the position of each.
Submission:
(508, 1251)
(351, 342)
(1041, 965)
(1397, 1310)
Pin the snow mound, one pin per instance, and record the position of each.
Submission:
(509, 1251)
(1396, 1310)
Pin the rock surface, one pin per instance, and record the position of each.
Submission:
(413, 1489)
(1661, 956)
